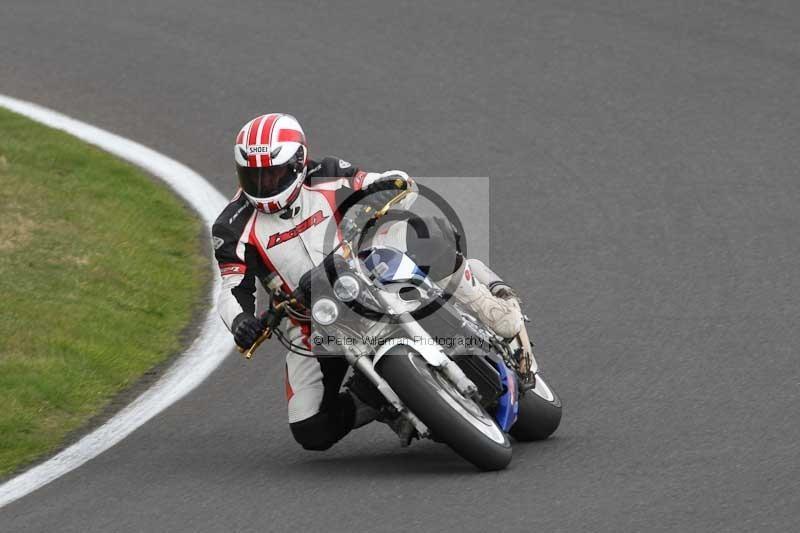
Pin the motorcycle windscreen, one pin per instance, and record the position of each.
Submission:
(388, 265)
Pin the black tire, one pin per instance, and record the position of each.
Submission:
(420, 387)
(539, 415)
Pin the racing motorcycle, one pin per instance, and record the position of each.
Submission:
(416, 355)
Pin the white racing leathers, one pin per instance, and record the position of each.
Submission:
(277, 249)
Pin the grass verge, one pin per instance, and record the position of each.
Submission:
(100, 272)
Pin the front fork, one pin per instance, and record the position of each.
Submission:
(422, 343)
(366, 366)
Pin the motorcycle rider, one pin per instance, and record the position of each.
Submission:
(274, 230)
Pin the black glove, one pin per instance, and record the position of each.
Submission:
(360, 208)
(246, 329)
(382, 191)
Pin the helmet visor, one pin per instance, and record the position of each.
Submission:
(263, 182)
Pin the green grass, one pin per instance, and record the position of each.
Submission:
(100, 271)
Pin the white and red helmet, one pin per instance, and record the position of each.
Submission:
(271, 156)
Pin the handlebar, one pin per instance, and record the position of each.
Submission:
(272, 319)
(273, 316)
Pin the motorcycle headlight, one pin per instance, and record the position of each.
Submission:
(346, 288)
(325, 311)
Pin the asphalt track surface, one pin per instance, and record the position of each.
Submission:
(645, 200)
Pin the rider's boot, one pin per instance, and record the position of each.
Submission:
(492, 300)
(364, 413)
(403, 428)
(371, 405)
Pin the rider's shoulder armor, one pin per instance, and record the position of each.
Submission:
(330, 167)
(229, 227)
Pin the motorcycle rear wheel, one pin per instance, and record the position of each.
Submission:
(459, 422)
(539, 413)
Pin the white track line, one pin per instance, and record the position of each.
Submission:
(203, 356)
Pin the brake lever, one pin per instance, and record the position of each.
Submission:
(367, 216)
(271, 318)
(385, 209)
(248, 353)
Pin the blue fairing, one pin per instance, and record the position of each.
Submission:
(507, 405)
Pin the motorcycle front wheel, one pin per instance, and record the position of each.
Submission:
(459, 422)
